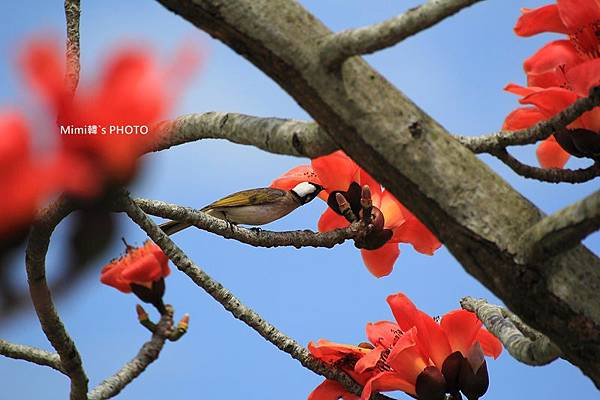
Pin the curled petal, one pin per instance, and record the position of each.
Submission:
(369, 360)
(523, 118)
(330, 352)
(407, 358)
(551, 155)
(584, 76)
(384, 333)
(538, 20)
(416, 233)
(521, 90)
(387, 382)
(551, 100)
(576, 14)
(380, 262)
(331, 390)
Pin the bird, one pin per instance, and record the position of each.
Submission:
(254, 206)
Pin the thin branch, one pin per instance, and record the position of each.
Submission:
(53, 328)
(257, 238)
(340, 46)
(31, 354)
(275, 135)
(526, 345)
(233, 304)
(552, 175)
(72, 15)
(540, 131)
(146, 356)
(560, 231)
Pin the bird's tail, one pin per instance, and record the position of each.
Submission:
(172, 227)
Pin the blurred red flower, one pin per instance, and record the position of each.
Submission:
(337, 173)
(416, 355)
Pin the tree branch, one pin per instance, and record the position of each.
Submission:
(538, 350)
(275, 135)
(540, 131)
(31, 354)
(72, 15)
(260, 238)
(233, 304)
(134, 368)
(560, 231)
(53, 328)
(551, 175)
(338, 47)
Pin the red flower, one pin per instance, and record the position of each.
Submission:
(131, 94)
(580, 19)
(139, 266)
(26, 178)
(544, 102)
(416, 355)
(336, 172)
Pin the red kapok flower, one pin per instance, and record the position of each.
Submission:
(337, 173)
(582, 139)
(417, 355)
(105, 128)
(580, 19)
(141, 270)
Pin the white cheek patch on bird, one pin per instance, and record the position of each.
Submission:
(304, 189)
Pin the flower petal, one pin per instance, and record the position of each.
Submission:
(384, 333)
(584, 76)
(369, 360)
(296, 175)
(407, 358)
(551, 155)
(387, 382)
(331, 390)
(392, 210)
(538, 20)
(336, 171)
(380, 262)
(551, 101)
(416, 233)
(461, 328)
(523, 118)
(490, 344)
(577, 13)
(331, 220)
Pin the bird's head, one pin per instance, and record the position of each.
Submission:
(306, 191)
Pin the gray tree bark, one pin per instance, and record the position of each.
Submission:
(475, 213)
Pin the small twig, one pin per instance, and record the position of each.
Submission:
(31, 354)
(174, 335)
(233, 304)
(542, 130)
(560, 231)
(146, 356)
(54, 329)
(340, 46)
(275, 135)
(72, 15)
(552, 175)
(518, 342)
(264, 238)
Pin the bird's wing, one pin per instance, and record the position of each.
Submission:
(247, 197)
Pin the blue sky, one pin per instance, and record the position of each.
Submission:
(455, 72)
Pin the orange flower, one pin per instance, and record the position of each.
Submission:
(416, 355)
(141, 270)
(337, 173)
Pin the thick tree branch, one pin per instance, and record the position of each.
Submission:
(540, 131)
(31, 354)
(338, 47)
(527, 346)
(280, 136)
(134, 368)
(260, 238)
(72, 15)
(232, 303)
(474, 212)
(560, 231)
(551, 175)
(53, 328)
